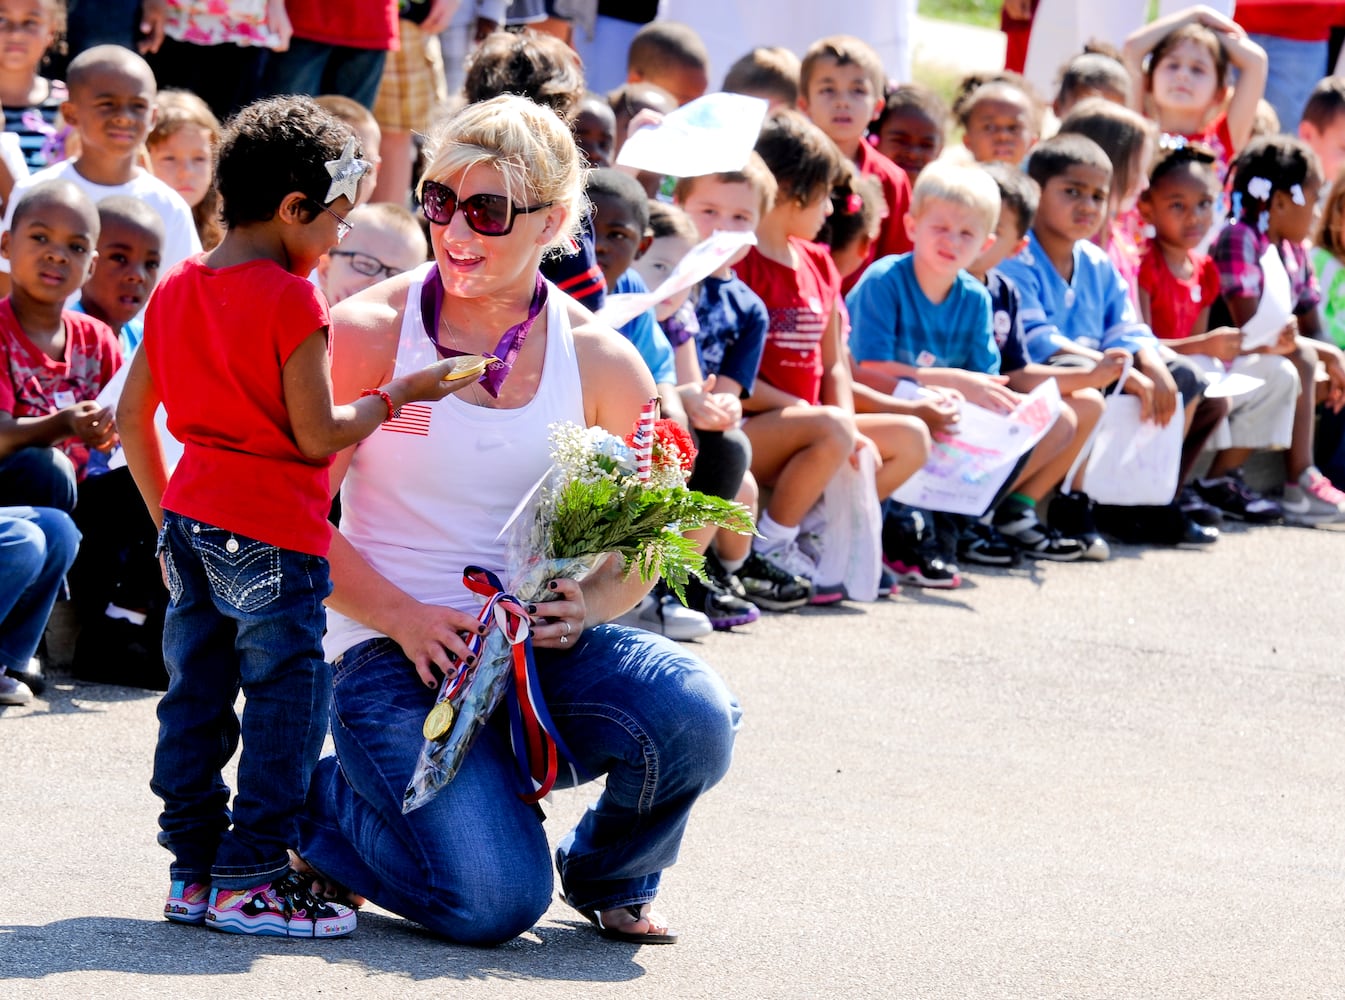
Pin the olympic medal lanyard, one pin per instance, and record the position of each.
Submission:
(501, 360)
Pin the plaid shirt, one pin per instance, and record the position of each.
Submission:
(1237, 254)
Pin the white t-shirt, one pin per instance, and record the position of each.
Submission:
(179, 229)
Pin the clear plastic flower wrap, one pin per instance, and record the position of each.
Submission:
(601, 496)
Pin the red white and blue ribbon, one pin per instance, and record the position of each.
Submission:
(643, 440)
(537, 745)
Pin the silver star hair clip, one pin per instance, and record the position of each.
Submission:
(346, 173)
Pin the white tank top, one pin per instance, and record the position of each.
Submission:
(427, 494)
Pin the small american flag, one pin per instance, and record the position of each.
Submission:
(644, 440)
(414, 418)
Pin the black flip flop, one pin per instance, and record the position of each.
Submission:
(594, 917)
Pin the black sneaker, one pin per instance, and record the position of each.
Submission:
(983, 544)
(925, 570)
(716, 601)
(1022, 527)
(1238, 500)
(770, 587)
(1194, 507)
(1072, 515)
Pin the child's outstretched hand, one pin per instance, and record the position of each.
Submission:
(434, 382)
(92, 424)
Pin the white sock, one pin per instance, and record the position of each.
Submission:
(731, 565)
(773, 535)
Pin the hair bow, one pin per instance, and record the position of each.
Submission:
(53, 141)
(1171, 141)
(1259, 188)
(1296, 192)
(854, 204)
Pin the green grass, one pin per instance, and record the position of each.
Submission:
(980, 12)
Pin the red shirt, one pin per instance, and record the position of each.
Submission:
(800, 303)
(892, 236)
(1175, 303)
(1301, 20)
(356, 24)
(35, 385)
(217, 342)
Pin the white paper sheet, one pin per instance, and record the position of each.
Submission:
(1276, 307)
(713, 134)
(965, 470)
(703, 260)
(111, 395)
(1228, 384)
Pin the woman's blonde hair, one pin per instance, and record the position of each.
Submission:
(529, 145)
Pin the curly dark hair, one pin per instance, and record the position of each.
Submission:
(271, 148)
(1283, 161)
(539, 67)
(1174, 152)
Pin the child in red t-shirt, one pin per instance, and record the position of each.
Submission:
(236, 349)
(55, 361)
(802, 421)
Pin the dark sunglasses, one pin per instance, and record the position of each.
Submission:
(487, 214)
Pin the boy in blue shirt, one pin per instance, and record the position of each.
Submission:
(921, 316)
(1075, 305)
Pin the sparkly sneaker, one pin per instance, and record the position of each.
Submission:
(713, 596)
(1312, 500)
(285, 907)
(186, 902)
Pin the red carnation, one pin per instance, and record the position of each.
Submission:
(671, 438)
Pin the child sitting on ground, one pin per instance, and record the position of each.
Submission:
(802, 421)
(181, 149)
(55, 361)
(248, 393)
(109, 84)
(384, 240)
(1275, 187)
(713, 413)
(841, 89)
(911, 128)
(770, 72)
(733, 322)
(1016, 515)
(1075, 304)
(999, 115)
(1177, 289)
(115, 584)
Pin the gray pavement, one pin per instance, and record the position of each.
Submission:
(1115, 780)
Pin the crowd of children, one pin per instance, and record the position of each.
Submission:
(897, 278)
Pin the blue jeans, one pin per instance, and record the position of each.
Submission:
(473, 864)
(314, 68)
(246, 614)
(38, 476)
(37, 546)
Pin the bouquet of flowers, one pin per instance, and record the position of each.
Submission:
(602, 495)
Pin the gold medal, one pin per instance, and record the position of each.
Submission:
(467, 366)
(438, 722)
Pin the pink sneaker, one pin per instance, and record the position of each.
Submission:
(1312, 500)
(187, 902)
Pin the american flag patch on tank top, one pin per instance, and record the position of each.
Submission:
(414, 418)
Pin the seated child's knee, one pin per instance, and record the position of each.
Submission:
(1087, 406)
(838, 424)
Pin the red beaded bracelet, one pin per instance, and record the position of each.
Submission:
(393, 412)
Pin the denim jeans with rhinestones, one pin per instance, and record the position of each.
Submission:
(242, 614)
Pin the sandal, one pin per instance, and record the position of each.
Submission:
(656, 934)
